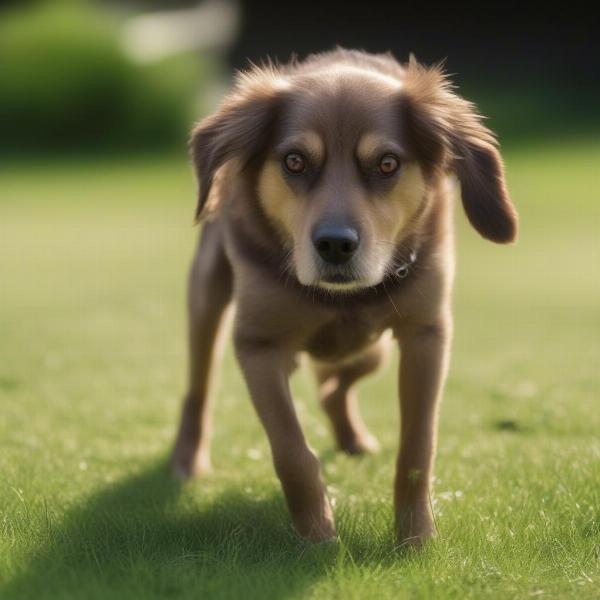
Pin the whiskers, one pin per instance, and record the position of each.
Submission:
(391, 301)
(287, 271)
(397, 253)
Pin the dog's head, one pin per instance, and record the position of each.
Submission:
(345, 156)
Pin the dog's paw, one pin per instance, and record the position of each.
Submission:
(415, 528)
(317, 532)
(317, 525)
(188, 464)
(360, 444)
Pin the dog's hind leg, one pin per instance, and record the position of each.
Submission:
(338, 398)
(210, 293)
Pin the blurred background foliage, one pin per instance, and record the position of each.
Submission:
(117, 75)
(68, 83)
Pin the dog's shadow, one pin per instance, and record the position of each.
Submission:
(133, 540)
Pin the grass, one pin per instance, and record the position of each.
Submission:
(93, 257)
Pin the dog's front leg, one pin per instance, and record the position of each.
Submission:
(423, 364)
(266, 369)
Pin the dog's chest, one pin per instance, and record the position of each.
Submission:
(345, 334)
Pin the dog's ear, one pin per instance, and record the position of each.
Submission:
(238, 130)
(447, 132)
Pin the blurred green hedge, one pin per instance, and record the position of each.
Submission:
(66, 83)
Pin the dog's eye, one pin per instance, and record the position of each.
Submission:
(294, 163)
(388, 164)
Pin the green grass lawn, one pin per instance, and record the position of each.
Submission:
(93, 259)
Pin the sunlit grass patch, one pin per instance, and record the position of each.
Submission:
(93, 260)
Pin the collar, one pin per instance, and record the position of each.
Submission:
(402, 270)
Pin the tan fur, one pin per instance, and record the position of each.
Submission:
(279, 202)
(342, 109)
(311, 143)
(368, 146)
(394, 212)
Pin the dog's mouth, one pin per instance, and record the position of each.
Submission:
(351, 277)
(347, 280)
(342, 280)
(338, 278)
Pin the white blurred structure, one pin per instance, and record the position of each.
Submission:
(212, 25)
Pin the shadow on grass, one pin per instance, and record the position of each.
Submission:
(133, 540)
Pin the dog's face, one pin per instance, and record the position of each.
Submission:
(344, 163)
(338, 180)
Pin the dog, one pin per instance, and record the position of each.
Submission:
(326, 188)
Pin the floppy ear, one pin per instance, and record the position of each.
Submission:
(238, 130)
(485, 198)
(447, 132)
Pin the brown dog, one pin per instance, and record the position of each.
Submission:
(327, 189)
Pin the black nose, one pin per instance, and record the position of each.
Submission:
(335, 245)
